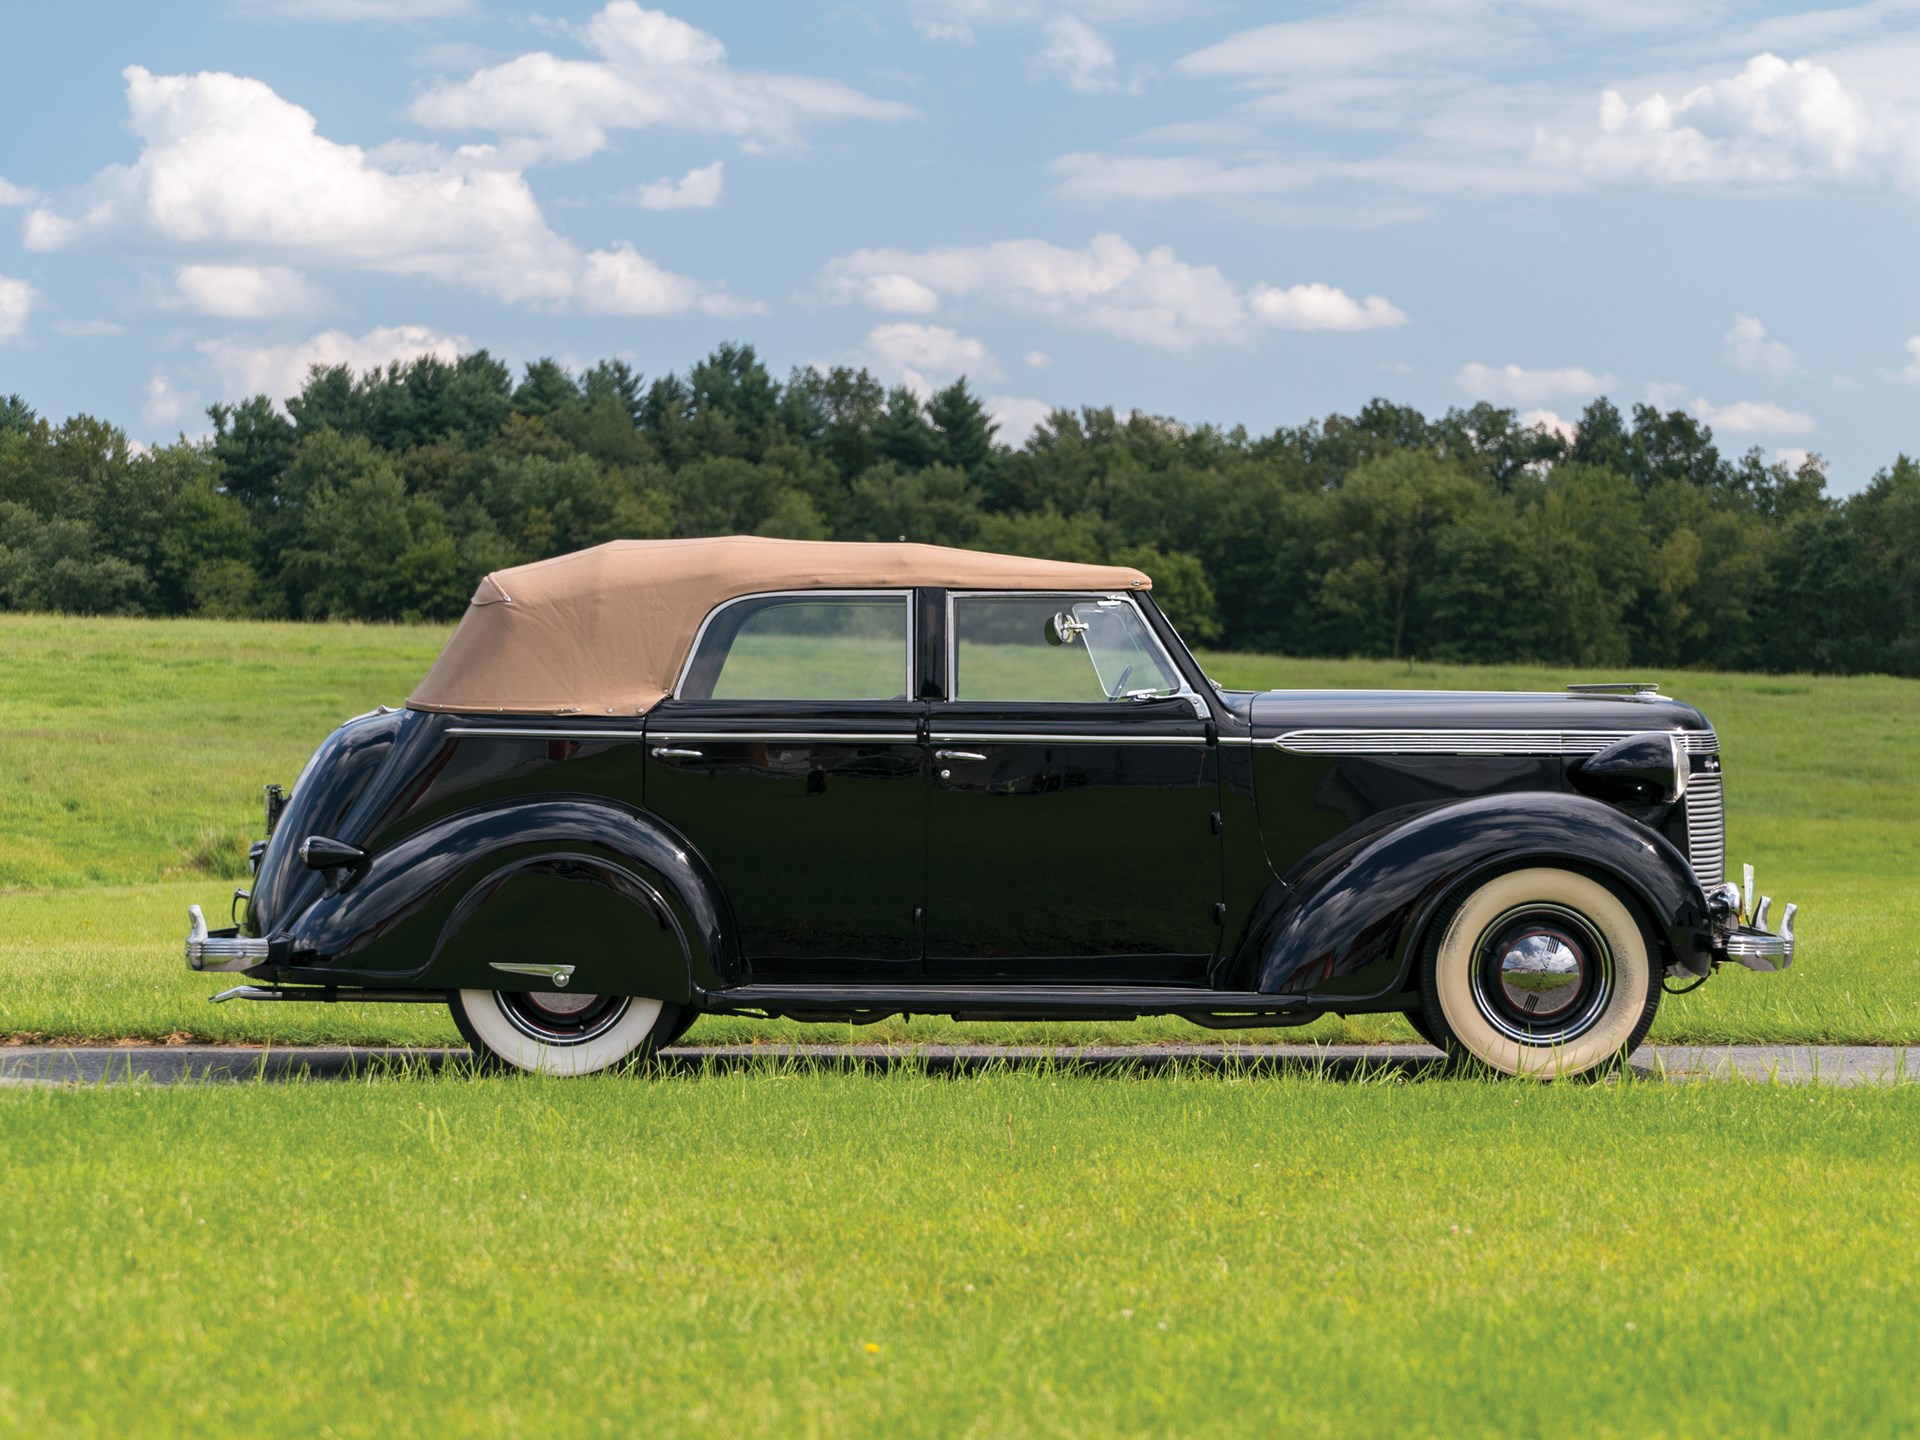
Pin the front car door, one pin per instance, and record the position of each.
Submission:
(1072, 810)
(790, 758)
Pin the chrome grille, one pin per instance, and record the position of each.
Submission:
(1706, 827)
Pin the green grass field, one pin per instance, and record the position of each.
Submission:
(133, 752)
(1031, 1252)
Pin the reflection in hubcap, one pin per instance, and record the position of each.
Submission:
(561, 1017)
(564, 1004)
(1541, 973)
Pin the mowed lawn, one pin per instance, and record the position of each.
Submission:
(1028, 1252)
(132, 754)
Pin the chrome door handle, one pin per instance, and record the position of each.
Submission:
(670, 752)
(958, 755)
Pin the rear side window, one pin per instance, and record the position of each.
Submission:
(803, 647)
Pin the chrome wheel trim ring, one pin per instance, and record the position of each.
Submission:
(1541, 934)
(556, 1019)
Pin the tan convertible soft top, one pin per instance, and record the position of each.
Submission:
(606, 631)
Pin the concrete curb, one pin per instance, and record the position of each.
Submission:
(192, 1064)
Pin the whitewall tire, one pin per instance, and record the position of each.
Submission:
(1540, 972)
(556, 1033)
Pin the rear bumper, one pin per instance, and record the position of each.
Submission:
(222, 949)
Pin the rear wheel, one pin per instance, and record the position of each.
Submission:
(1540, 972)
(558, 1033)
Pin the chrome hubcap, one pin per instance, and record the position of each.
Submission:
(562, 1017)
(1542, 974)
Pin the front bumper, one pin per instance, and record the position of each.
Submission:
(1740, 928)
(221, 949)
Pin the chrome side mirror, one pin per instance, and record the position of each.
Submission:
(1062, 628)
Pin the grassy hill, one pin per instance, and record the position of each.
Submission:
(132, 754)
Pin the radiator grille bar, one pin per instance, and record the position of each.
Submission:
(1707, 827)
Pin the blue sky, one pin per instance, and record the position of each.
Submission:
(1211, 210)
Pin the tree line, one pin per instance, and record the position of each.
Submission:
(386, 495)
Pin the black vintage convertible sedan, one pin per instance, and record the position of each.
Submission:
(658, 779)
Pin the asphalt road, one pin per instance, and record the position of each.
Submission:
(194, 1064)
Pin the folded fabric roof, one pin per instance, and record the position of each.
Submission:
(606, 631)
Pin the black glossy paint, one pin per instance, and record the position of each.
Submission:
(562, 879)
(1345, 929)
(821, 841)
(815, 856)
(1088, 856)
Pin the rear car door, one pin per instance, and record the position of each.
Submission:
(790, 758)
(1072, 806)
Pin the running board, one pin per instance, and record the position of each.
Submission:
(1220, 1008)
(331, 995)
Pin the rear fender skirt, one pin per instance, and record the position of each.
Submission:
(568, 879)
(1346, 929)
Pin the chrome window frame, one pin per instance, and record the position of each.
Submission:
(894, 593)
(952, 668)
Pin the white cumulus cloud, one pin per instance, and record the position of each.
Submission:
(1752, 417)
(696, 190)
(1321, 307)
(621, 281)
(1912, 372)
(1077, 55)
(1518, 386)
(1154, 298)
(1749, 348)
(164, 403)
(1017, 417)
(651, 70)
(245, 292)
(12, 194)
(279, 371)
(1774, 123)
(926, 358)
(1567, 430)
(227, 167)
(17, 299)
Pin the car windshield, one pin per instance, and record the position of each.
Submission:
(1124, 654)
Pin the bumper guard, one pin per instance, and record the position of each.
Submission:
(221, 949)
(1741, 926)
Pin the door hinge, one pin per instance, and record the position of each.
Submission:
(1215, 821)
(1219, 912)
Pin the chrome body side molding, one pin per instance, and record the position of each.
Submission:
(1470, 742)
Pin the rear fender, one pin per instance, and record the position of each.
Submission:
(1346, 928)
(559, 880)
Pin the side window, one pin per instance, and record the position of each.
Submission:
(1010, 647)
(797, 647)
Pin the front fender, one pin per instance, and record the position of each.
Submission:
(571, 878)
(1346, 928)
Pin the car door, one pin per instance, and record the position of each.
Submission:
(790, 757)
(1072, 806)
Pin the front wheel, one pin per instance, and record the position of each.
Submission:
(1540, 972)
(557, 1033)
